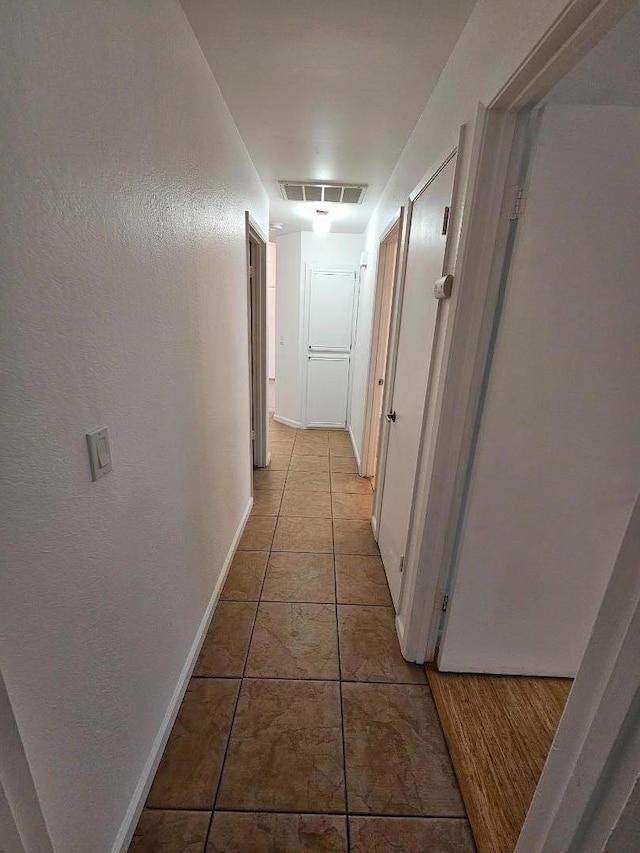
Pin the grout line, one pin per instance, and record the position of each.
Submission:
(394, 815)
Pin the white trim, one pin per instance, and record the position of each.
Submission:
(354, 446)
(287, 421)
(130, 821)
(257, 332)
(582, 791)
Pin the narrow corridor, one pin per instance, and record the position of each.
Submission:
(303, 729)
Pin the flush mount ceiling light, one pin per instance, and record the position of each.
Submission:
(321, 222)
(323, 192)
(276, 226)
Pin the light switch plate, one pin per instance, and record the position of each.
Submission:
(99, 453)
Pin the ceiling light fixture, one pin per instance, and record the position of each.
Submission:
(276, 226)
(321, 222)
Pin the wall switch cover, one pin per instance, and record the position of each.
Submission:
(99, 453)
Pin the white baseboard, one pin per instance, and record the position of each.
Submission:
(355, 451)
(287, 421)
(128, 826)
(374, 527)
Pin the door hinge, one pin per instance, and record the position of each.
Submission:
(515, 203)
(445, 604)
(250, 272)
(445, 220)
(401, 563)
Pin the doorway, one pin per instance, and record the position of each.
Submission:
(388, 257)
(330, 311)
(411, 366)
(258, 355)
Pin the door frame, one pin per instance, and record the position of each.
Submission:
(562, 806)
(257, 342)
(394, 340)
(482, 236)
(371, 435)
(304, 338)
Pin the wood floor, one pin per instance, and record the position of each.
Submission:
(498, 730)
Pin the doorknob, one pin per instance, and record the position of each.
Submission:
(391, 417)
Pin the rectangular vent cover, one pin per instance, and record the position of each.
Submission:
(319, 192)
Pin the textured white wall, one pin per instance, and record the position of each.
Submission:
(498, 36)
(297, 253)
(124, 304)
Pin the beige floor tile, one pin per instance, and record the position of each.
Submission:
(350, 484)
(343, 464)
(190, 766)
(361, 580)
(166, 831)
(285, 751)
(311, 448)
(306, 504)
(409, 835)
(354, 537)
(352, 506)
(246, 574)
(396, 758)
(369, 648)
(340, 443)
(224, 650)
(266, 503)
(294, 641)
(265, 478)
(310, 463)
(281, 447)
(236, 832)
(308, 481)
(309, 535)
(299, 577)
(279, 461)
(258, 533)
(277, 428)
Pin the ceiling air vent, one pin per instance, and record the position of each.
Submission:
(319, 192)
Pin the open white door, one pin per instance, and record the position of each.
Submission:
(424, 265)
(330, 320)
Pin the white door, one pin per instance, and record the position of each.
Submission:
(330, 319)
(425, 258)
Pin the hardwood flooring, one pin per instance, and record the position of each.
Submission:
(499, 730)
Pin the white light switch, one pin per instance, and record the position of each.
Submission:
(99, 453)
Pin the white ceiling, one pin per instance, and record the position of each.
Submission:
(609, 73)
(326, 89)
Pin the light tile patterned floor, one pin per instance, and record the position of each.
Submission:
(303, 729)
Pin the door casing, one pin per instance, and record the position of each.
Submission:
(256, 243)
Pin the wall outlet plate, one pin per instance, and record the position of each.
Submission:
(99, 453)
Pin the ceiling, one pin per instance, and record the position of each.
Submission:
(609, 73)
(326, 89)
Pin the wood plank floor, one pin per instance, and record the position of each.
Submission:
(498, 730)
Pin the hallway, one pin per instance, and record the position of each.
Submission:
(301, 709)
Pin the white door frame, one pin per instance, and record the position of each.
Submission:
(257, 336)
(304, 339)
(370, 440)
(410, 570)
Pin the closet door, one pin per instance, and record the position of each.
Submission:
(330, 326)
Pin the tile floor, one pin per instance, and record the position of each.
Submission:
(303, 729)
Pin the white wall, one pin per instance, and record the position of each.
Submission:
(297, 253)
(557, 461)
(124, 304)
(498, 37)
